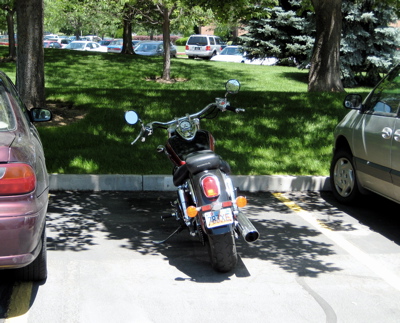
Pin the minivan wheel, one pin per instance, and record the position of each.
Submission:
(343, 177)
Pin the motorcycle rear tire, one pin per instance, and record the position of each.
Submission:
(222, 252)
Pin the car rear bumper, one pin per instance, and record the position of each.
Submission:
(20, 234)
(197, 53)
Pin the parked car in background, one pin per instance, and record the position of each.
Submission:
(230, 54)
(91, 38)
(64, 42)
(86, 46)
(50, 37)
(366, 155)
(51, 44)
(115, 46)
(104, 42)
(24, 187)
(5, 41)
(203, 46)
(153, 48)
(236, 55)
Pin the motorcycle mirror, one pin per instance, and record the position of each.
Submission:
(131, 117)
(232, 86)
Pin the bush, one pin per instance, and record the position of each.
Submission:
(181, 41)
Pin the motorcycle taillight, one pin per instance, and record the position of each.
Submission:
(210, 185)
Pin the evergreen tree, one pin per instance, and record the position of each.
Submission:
(368, 44)
(279, 33)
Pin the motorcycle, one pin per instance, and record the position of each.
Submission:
(207, 203)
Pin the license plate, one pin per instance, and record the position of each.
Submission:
(197, 48)
(218, 218)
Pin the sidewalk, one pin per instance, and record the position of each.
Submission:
(277, 183)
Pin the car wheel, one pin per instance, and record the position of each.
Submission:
(37, 270)
(343, 177)
(212, 55)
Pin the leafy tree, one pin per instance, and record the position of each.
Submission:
(9, 7)
(161, 12)
(30, 55)
(97, 17)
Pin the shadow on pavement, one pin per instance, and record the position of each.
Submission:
(75, 217)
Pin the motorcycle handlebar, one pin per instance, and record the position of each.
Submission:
(159, 124)
(233, 109)
(147, 130)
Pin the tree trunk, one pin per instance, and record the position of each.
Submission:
(325, 64)
(12, 52)
(30, 55)
(127, 47)
(167, 45)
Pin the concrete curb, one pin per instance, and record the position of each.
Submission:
(262, 183)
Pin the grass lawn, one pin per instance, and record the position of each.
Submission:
(285, 129)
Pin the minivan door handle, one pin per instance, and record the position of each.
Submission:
(396, 135)
(387, 133)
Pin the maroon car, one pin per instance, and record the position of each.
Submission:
(24, 187)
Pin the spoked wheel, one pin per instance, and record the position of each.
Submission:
(222, 251)
(343, 177)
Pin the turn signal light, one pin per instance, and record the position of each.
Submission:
(241, 201)
(16, 179)
(191, 211)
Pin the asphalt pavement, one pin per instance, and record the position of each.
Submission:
(316, 261)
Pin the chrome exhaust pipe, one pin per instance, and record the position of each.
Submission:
(246, 228)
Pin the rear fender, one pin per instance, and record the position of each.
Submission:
(215, 204)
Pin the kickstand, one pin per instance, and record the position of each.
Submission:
(180, 229)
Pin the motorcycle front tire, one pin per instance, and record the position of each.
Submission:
(222, 251)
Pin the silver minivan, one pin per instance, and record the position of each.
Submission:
(203, 46)
(367, 144)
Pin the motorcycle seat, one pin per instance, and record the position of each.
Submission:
(198, 162)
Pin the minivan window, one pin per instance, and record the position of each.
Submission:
(386, 97)
(201, 41)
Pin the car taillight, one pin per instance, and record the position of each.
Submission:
(208, 47)
(210, 186)
(16, 179)
(187, 47)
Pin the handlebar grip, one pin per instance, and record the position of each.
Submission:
(233, 109)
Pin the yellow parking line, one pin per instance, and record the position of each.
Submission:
(19, 303)
(290, 204)
(380, 268)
